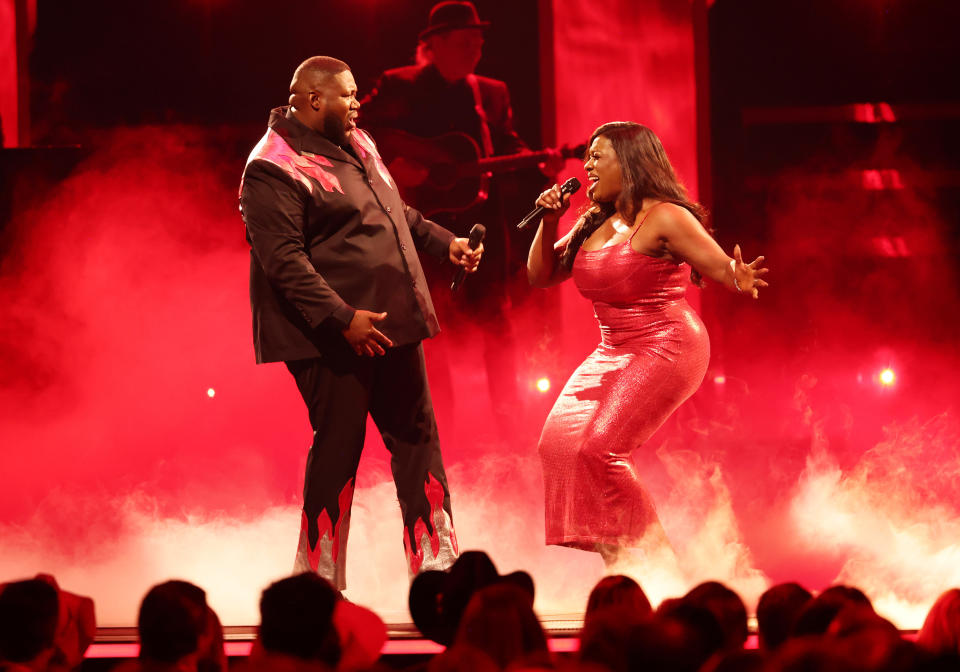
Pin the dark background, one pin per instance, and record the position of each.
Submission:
(98, 65)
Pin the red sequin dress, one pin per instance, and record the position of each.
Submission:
(652, 356)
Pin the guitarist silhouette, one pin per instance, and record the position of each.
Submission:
(419, 114)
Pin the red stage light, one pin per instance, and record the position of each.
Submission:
(720, 379)
(891, 246)
(543, 384)
(211, 392)
(878, 180)
(873, 113)
(887, 377)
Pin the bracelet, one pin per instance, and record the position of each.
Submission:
(733, 269)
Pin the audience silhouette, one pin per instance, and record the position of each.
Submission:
(487, 623)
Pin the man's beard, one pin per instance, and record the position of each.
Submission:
(335, 128)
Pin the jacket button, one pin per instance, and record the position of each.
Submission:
(403, 246)
(389, 209)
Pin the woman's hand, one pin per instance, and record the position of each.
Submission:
(554, 203)
(746, 277)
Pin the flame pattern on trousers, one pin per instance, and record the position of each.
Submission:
(327, 557)
(436, 540)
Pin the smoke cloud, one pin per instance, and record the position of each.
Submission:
(125, 302)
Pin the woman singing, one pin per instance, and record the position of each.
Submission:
(626, 253)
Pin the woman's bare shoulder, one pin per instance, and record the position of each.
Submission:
(670, 217)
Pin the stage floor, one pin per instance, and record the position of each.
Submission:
(403, 639)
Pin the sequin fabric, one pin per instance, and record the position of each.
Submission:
(652, 356)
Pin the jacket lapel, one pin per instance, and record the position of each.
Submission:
(304, 140)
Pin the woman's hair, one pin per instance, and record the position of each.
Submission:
(645, 173)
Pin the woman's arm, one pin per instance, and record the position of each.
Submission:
(686, 240)
(543, 261)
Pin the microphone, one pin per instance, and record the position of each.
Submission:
(476, 237)
(569, 187)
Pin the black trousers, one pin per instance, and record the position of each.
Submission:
(340, 389)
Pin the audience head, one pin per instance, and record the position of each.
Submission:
(940, 633)
(811, 654)
(702, 633)
(438, 599)
(667, 644)
(871, 640)
(726, 606)
(736, 661)
(28, 622)
(500, 621)
(606, 634)
(818, 613)
(462, 658)
(777, 611)
(296, 619)
(176, 625)
(617, 590)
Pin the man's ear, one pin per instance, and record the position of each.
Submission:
(316, 100)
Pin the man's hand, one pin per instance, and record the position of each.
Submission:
(365, 339)
(462, 255)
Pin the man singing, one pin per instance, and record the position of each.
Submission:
(338, 295)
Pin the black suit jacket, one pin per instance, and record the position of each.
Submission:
(417, 99)
(328, 235)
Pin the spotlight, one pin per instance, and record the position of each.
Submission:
(720, 379)
(888, 377)
(211, 392)
(543, 384)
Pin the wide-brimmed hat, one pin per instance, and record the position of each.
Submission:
(452, 15)
(438, 599)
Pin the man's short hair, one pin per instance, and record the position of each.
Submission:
(296, 618)
(28, 619)
(321, 67)
(171, 620)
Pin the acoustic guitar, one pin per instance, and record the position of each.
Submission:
(448, 173)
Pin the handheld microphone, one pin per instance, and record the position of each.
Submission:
(476, 237)
(569, 187)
